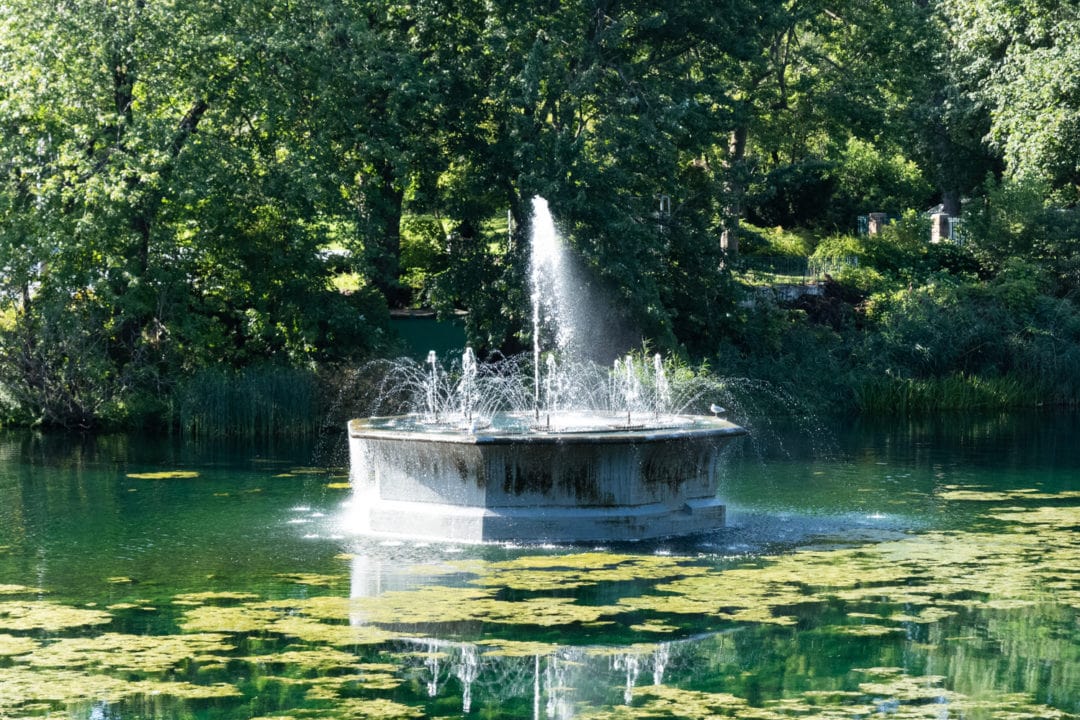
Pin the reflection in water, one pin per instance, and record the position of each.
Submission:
(554, 677)
(924, 572)
(553, 683)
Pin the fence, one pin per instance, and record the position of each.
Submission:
(786, 265)
(791, 268)
(956, 230)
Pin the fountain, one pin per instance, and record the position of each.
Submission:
(571, 451)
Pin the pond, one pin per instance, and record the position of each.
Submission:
(921, 569)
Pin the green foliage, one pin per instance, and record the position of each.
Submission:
(902, 244)
(838, 248)
(955, 260)
(792, 363)
(870, 179)
(930, 331)
(163, 203)
(775, 240)
(173, 178)
(55, 368)
(798, 194)
(830, 193)
(848, 260)
(1008, 329)
(423, 254)
(1012, 220)
(898, 254)
(1004, 221)
(865, 280)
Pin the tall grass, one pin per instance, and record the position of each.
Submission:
(891, 395)
(257, 402)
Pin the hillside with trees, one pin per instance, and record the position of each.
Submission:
(210, 199)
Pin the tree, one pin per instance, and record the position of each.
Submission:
(602, 108)
(817, 75)
(163, 182)
(1021, 63)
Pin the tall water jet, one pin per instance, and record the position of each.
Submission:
(589, 454)
(551, 280)
(551, 293)
(467, 388)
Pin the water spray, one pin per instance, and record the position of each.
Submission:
(433, 384)
(468, 383)
(663, 390)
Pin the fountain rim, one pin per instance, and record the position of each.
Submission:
(694, 426)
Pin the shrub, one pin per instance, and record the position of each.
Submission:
(845, 258)
(841, 248)
(755, 240)
(1004, 221)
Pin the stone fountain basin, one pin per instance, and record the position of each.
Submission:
(494, 484)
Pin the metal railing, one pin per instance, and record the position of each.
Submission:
(794, 268)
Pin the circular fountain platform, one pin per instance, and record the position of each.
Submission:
(516, 478)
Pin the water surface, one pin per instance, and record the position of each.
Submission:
(901, 570)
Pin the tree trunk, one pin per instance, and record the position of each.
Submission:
(385, 256)
(950, 200)
(735, 189)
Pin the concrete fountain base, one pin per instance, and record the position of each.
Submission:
(589, 485)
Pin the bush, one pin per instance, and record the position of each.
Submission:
(956, 260)
(55, 367)
(1004, 221)
(934, 331)
(841, 249)
(1013, 219)
(821, 193)
(755, 240)
(848, 260)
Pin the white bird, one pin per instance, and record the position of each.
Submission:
(716, 409)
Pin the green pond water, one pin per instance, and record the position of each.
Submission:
(905, 570)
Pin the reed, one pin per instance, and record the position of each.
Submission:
(255, 402)
(894, 395)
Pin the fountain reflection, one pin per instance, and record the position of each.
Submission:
(552, 680)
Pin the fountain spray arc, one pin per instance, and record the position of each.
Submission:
(475, 463)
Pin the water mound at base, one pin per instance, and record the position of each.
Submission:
(583, 477)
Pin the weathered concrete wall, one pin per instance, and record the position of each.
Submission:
(576, 486)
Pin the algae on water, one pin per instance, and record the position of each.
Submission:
(638, 627)
(165, 475)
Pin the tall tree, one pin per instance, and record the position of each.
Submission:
(817, 74)
(1021, 62)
